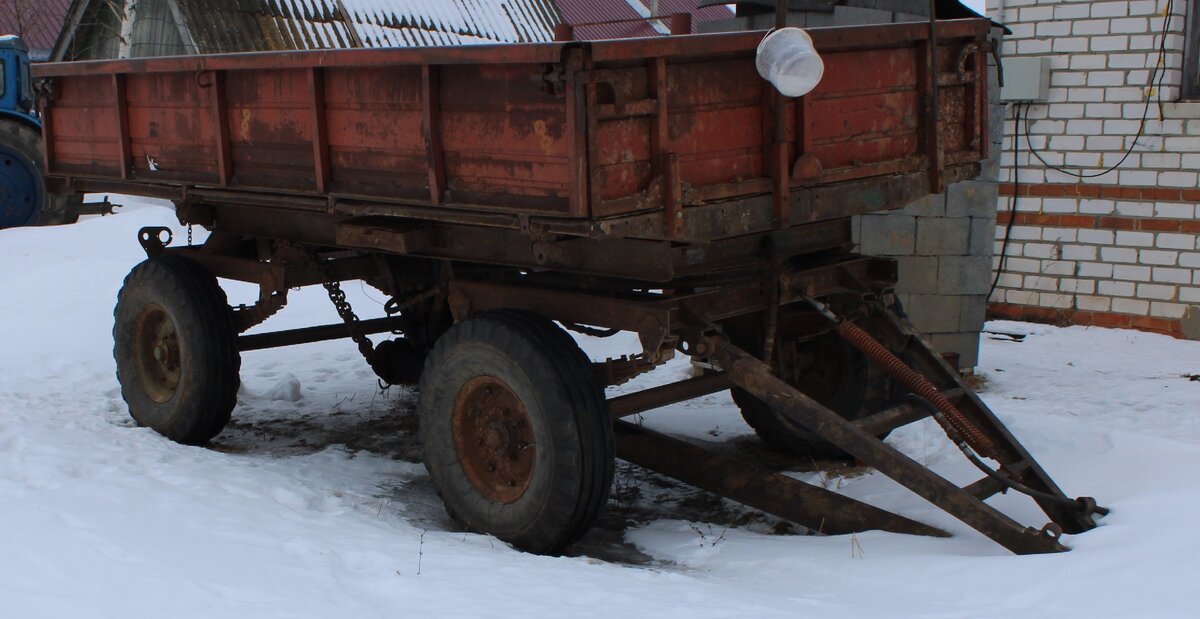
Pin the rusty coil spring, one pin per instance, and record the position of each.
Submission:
(917, 384)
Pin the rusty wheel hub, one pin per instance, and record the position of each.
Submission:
(156, 349)
(493, 438)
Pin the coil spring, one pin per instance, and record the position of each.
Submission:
(917, 384)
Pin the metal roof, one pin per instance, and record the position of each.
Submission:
(35, 21)
(580, 13)
(251, 25)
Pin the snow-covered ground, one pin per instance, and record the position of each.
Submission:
(311, 503)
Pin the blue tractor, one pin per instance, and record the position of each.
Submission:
(24, 199)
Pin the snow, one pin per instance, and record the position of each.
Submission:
(310, 504)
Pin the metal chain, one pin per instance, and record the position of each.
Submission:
(189, 235)
(338, 297)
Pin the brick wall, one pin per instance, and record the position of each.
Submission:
(1120, 248)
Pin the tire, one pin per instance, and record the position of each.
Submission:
(515, 430)
(828, 370)
(176, 349)
(20, 152)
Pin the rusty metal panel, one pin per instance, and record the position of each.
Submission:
(172, 131)
(580, 130)
(504, 138)
(85, 128)
(375, 140)
(270, 129)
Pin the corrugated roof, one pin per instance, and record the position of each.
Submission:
(255, 25)
(580, 13)
(36, 21)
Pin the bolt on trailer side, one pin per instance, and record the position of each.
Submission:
(655, 186)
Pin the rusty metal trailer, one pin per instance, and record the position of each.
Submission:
(658, 186)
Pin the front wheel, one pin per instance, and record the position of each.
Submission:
(176, 349)
(515, 430)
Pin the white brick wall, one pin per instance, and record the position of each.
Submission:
(1090, 252)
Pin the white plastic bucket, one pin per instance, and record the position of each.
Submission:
(786, 58)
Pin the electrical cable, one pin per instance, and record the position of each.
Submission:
(1012, 200)
(1154, 83)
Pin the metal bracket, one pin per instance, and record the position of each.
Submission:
(154, 240)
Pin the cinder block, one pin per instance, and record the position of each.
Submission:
(918, 274)
(934, 313)
(964, 274)
(943, 236)
(891, 234)
(972, 199)
(933, 205)
(965, 344)
(983, 236)
(973, 313)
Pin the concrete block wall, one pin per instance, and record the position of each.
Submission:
(1118, 248)
(943, 246)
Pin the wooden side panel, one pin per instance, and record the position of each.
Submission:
(85, 127)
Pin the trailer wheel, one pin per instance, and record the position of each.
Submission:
(828, 370)
(24, 200)
(516, 431)
(176, 349)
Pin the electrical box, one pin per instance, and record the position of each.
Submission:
(1025, 79)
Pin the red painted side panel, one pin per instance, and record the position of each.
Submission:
(375, 140)
(591, 129)
(84, 126)
(171, 127)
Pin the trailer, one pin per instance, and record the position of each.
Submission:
(501, 194)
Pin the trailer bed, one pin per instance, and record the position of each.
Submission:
(632, 138)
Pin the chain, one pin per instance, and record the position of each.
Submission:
(338, 297)
(189, 235)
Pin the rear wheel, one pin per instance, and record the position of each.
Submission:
(24, 200)
(827, 369)
(515, 430)
(176, 349)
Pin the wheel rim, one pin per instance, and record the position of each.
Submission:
(156, 350)
(493, 438)
(20, 189)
